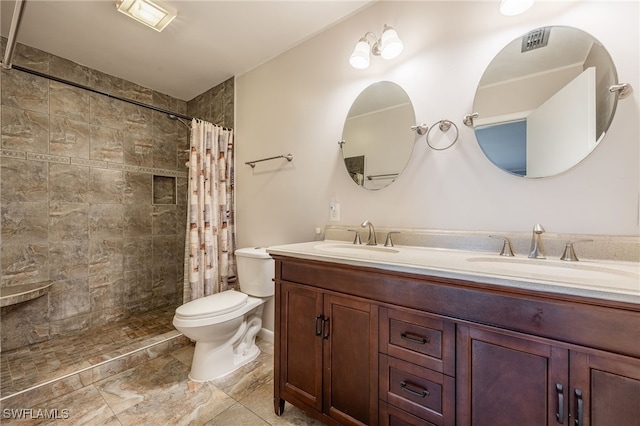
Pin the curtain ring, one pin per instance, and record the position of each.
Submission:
(444, 126)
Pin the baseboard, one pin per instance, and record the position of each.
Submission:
(266, 335)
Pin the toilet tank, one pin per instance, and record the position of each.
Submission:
(255, 271)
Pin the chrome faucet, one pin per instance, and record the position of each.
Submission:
(537, 251)
(371, 240)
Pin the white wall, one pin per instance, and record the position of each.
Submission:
(298, 101)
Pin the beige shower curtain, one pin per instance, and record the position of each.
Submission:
(210, 240)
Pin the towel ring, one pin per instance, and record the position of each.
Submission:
(444, 126)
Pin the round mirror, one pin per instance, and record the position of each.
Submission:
(377, 139)
(543, 103)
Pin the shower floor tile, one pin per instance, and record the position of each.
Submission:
(42, 362)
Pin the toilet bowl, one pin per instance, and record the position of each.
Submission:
(224, 325)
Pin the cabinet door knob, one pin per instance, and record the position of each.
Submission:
(414, 338)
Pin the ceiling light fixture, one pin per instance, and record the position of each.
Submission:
(388, 46)
(148, 13)
(515, 7)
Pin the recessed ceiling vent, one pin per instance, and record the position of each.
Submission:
(535, 39)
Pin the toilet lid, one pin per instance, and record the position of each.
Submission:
(216, 304)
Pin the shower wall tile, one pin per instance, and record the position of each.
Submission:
(107, 144)
(138, 149)
(137, 119)
(106, 186)
(138, 254)
(25, 130)
(107, 112)
(69, 137)
(69, 70)
(68, 183)
(24, 223)
(69, 298)
(24, 263)
(138, 220)
(25, 91)
(68, 259)
(137, 286)
(137, 189)
(164, 220)
(106, 221)
(23, 180)
(106, 83)
(164, 281)
(68, 101)
(138, 93)
(105, 261)
(68, 221)
(31, 58)
(164, 247)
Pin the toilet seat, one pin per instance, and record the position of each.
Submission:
(213, 305)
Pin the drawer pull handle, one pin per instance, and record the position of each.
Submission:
(560, 412)
(319, 325)
(419, 393)
(414, 338)
(579, 420)
(325, 328)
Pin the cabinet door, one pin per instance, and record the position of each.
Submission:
(350, 356)
(605, 389)
(503, 380)
(301, 345)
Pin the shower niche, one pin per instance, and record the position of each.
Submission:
(164, 191)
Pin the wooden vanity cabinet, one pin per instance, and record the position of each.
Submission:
(505, 378)
(327, 358)
(356, 345)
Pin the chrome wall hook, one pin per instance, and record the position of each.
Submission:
(623, 89)
(468, 119)
(420, 129)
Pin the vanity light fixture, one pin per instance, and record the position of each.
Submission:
(388, 46)
(515, 7)
(151, 14)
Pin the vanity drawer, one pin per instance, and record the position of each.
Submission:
(417, 337)
(393, 416)
(419, 391)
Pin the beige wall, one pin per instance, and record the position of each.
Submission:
(297, 103)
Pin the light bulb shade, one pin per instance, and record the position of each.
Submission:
(391, 45)
(360, 58)
(514, 7)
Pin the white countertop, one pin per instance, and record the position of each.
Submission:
(608, 280)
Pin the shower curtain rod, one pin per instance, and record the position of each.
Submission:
(100, 92)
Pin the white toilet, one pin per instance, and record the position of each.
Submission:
(224, 325)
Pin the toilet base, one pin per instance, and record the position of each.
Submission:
(211, 362)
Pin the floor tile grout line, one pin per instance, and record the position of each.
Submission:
(82, 370)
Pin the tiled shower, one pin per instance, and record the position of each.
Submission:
(92, 196)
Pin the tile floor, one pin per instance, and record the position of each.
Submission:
(155, 391)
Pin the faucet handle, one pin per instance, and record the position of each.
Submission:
(569, 253)
(388, 242)
(356, 240)
(506, 246)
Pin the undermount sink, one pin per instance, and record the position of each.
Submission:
(554, 269)
(354, 249)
